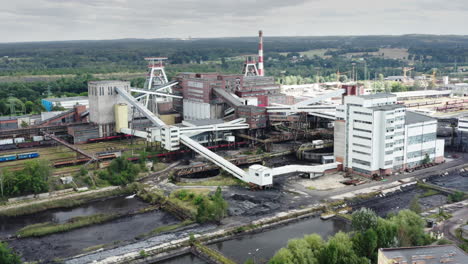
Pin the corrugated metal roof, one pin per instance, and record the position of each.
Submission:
(413, 118)
(64, 99)
(377, 95)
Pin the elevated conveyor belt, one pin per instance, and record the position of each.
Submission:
(155, 93)
(228, 98)
(69, 146)
(304, 168)
(317, 99)
(147, 113)
(213, 157)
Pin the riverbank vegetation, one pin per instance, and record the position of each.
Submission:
(166, 228)
(209, 208)
(66, 202)
(7, 256)
(369, 233)
(43, 229)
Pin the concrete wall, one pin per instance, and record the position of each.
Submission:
(102, 98)
(339, 145)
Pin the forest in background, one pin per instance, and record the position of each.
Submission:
(31, 71)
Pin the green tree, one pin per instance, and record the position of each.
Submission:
(283, 256)
(426, 159)
(364, 219)
(365, 244)
(219, 205)
(7, 256)
(410, 229)
(120, 172)
(414, 205)
(398, 87)
(29, 106)
(301, 252)
(339, 250)
(386, 232)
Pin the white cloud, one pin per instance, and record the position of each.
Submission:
(42, 20)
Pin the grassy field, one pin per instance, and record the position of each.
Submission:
(219, 180)
(388, 53)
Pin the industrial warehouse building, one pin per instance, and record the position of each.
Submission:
(422, 255)
(375, 135)
(65, 102)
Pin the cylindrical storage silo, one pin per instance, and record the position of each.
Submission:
(121, 116)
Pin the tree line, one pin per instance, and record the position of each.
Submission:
(360, 246)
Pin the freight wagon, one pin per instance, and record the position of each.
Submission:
(19, 156)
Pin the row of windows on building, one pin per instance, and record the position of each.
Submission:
(360, 152)
(362, 162)
(103, 90)
(421, 138)
(363, 122)
(420, 153)
(362, 113)
(359, 170)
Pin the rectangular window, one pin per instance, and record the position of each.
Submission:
(359, 170)
(363, 122)
(360, 152)
(362, 113)
(362, 162)
(366, 138)
(362, 146)
(362, 130)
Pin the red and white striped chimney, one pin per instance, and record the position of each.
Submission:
(260, 54)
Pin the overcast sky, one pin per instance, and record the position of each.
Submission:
(43, 20)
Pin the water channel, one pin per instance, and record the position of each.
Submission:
(269, 241)
(73, 242)
(118, 205)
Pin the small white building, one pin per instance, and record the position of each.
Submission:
(375, 135)
(65, 102)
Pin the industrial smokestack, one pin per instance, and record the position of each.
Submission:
(260, 54)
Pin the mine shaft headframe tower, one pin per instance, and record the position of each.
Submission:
(250, 66)
(156, 74)
(156, 78)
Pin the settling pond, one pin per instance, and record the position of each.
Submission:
(73, 242)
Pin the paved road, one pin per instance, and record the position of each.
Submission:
(419, 174)
(450, 225)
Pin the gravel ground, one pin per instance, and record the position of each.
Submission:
(137, 246)
(327, 182)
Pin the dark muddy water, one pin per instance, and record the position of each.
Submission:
(120, 204)
(73, 242)
(268, 242)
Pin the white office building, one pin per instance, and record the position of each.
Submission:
(375, 135)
